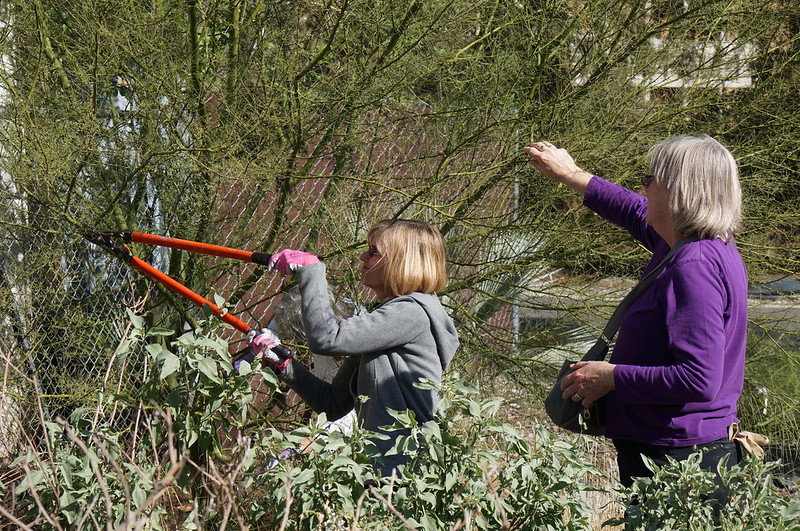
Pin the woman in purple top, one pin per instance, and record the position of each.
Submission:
(676, 371)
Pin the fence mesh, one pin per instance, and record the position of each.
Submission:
(65, 301)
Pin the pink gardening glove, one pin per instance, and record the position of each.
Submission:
(263, 344)
(289, 261)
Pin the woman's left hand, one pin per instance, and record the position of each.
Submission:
(589, 381)
(288, 261)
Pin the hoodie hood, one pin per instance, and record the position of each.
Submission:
(442, 327)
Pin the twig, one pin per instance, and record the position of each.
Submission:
(14, 520)
(87, 513)
(461, 524)
(40, 410)
(359, 503)
(493, 488)
(93, 461)
(392, 508)
(161, 486)
(125, 333)
(288, 505)
(113, 462)
(216, 480)
(54, 485)
(37, 500)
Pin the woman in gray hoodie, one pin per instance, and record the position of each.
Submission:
(407, 337)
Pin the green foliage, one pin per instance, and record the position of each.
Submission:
(87, 476)
(196, 384)
(189, 405)
(770, 402)
(325, 486)
(262, 125)
(674, 498)
(470, 468)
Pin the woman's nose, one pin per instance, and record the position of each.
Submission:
(364, 257)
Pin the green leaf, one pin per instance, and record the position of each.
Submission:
(345, 497)
(138, 496)
(159, 332)
(209, 367)
(155, 349)
(432, 431)
(136, 320)
(66, 473)
(245, 368)
(186, 339)
(33, 479)
(191, 431)
(428, 522)
(170, 364)
(491, 405)
(303, 477)
(54, 429)
(177, 397)
(68, 506)
(24, 458)
(449, 480)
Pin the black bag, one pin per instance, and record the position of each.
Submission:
(571, 415)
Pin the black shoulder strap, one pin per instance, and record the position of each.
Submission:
(612, 326)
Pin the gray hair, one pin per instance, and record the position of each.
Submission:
(701, 179)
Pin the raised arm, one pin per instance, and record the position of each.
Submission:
(558, 165)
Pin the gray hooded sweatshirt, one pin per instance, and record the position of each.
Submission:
(386, 352)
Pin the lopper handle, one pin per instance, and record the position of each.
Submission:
(185, 292)
(205, 248)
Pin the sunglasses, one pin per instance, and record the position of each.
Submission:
(646, 180)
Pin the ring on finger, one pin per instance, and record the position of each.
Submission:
(577, 398)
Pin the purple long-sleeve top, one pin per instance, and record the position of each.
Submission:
(680, 350)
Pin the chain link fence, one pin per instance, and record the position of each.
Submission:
(65, 300)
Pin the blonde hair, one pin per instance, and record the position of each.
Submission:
(413, 254)
(701, 180)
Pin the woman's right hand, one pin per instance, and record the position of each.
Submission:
(558, 165)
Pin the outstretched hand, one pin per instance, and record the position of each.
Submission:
(557, 164)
